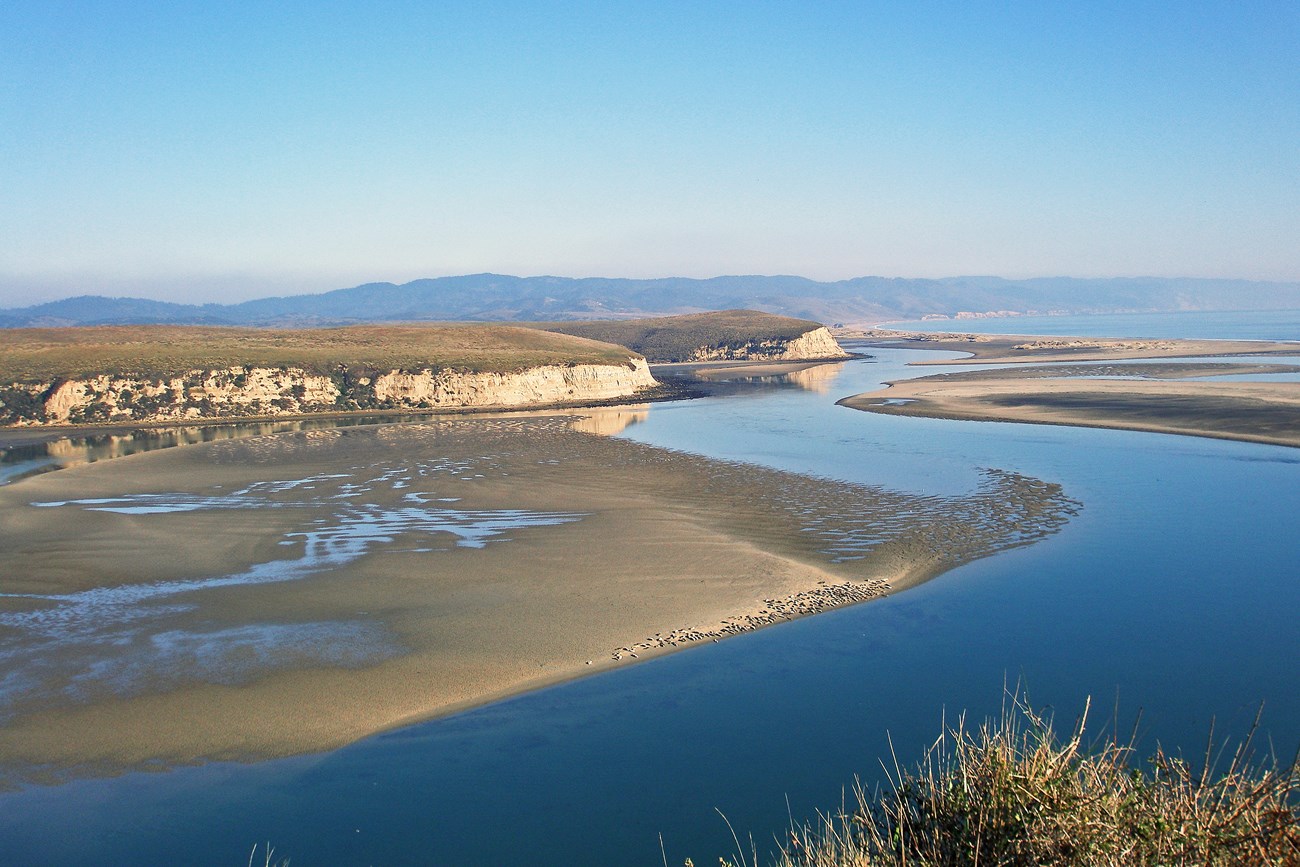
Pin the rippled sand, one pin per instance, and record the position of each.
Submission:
(290, 593)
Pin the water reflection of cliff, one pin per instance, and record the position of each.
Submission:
(19, 460)
(608, 421)
(87, 449)
(818, 378)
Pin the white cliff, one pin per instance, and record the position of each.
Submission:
(256, 391)
(538, 385)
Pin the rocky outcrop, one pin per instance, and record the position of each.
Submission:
(814, 345)
(256, 391)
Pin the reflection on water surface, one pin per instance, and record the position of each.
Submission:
(24, 459)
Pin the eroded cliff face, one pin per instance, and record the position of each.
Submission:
(538, 385)
(812, 345)
(254, 391)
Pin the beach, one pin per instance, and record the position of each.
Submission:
(291, 593)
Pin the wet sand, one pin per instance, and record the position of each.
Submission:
(1163, 401)
(283, 594)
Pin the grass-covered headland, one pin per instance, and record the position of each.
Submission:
(40, 354)
(1014, 792)
(666, 339)
(162, 373)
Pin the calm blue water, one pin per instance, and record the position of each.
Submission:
(1174, 592)
(1234, 325)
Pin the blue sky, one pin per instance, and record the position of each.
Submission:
(219, 151)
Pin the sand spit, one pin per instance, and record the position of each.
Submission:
(290, 593)
(1011, 348)
(1162, 400)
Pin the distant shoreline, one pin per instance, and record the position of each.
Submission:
(1104, 394)
(1229, 324)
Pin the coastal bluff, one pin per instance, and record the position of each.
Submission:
(814, 345)
(726, 335)
(260, 391)
(162, 374)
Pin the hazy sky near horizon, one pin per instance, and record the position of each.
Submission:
(220, 151)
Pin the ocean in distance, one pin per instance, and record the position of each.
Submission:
(1191, 325)
(1173, 592)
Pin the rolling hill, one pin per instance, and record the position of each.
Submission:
(502, 298)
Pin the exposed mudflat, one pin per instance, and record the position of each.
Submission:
(293, 592)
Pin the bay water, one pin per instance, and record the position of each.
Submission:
(1170, 599)
(1190, 324)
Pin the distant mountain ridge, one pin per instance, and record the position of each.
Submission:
(499, 298)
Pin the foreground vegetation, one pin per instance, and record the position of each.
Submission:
(665, 339)
(1014, 793)
(44, 354)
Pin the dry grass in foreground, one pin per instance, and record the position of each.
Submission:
(1014, 793)
(268, 857)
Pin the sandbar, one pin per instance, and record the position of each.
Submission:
(1012, 348)
(1147, 397)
